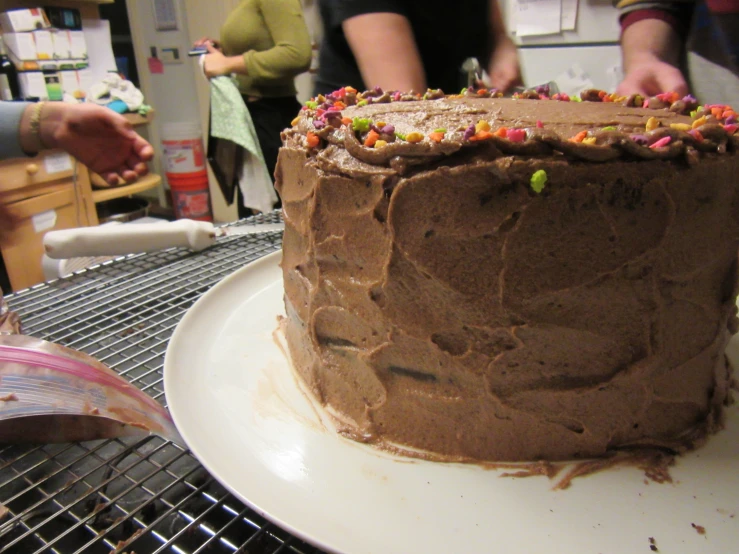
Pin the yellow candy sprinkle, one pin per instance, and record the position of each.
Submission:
(589, 140)
(482, 125)
(681, 126)
(380, 124)
(380, 143)
(653, 123)
(698, 122)
(295, 121)
(414, 137)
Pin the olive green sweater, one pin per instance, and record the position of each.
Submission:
(275, 43)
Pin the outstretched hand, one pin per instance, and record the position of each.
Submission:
(504, 69)
(98, 137)
(649, 76)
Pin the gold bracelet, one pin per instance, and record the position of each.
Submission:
(35, 123)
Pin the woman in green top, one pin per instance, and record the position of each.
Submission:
(265, 43)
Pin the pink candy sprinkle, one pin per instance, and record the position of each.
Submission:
(661, 142)
(539, 124)
(731, 129)
(516, 135)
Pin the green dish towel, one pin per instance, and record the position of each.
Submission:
(230, 120)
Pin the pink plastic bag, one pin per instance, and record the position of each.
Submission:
(50, 393)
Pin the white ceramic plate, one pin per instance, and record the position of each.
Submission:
(238, 406)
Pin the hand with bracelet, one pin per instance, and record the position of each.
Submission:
(98, 137)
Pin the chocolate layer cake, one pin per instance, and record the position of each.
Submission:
(484, 278)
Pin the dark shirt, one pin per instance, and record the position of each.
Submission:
(446, 32)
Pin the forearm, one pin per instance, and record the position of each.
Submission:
(650, 39)
(385, 49)
(497, 25)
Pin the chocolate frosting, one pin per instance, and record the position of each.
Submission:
(435, 301)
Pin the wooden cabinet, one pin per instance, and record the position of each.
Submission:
(49, 192)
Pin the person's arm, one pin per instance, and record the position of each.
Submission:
(290, 56)
(504, 69)
(101, 139)
(11, 114)
(652, 42)
(385, 50)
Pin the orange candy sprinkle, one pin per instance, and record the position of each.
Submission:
(717, 112)
(481, 135)
(346, 120)
(437, 137)
(312, 140)
(339, 104)
(372, 138)
(579, 136)
(350, 90)
(502, 132)
(728, 113)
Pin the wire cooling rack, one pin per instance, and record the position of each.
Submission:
(146, 496)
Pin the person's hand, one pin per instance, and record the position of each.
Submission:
(504, 69)
(216, 64)
(648, 75)
(98, 137)
(205, 41)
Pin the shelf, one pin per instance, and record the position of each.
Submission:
(145, 183)
(135, 119)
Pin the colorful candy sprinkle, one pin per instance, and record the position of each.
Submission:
(502, 132)
(661, 143)
(696, 134)
(539, 124)
(589, 140)
(579, 137)
(681, 126)
(516, 135)
(380, 143)
(609, 128)
(414, 137)
(295, 121)
(312, 140)
(388, 129)
(401, 136)
(481, 135)
(698, 122)
(539, 181)
(469, 132)
(436, 137)
(731, 129)
(653, 123)
(731, 120)
(311, 104)
(361, 124)
(371, 139)
(362, 103)
(441, 130)
(482, 125)
(346, 120)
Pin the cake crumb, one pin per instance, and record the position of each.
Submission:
(653, 545)
(9, 398)
(699, 529)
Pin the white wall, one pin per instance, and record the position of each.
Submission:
(172, 93)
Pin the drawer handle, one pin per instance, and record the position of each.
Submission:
(32, 169)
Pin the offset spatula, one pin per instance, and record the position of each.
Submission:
(132, 238)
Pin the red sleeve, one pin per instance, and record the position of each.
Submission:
(680, 21)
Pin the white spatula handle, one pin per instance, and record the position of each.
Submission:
(117, 240)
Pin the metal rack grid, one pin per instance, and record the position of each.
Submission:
(147, 496)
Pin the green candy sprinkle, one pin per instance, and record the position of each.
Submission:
(440, 130)
(609, 128)
(576, 99)
(361, 124)
(362, 103)
(539, 181)
(401, 136)
(463, 90)
(693, 114)
(312, 105)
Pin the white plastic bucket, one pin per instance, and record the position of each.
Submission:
(182, 144)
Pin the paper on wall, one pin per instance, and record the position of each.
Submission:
(538, 17)
(99, 48)
(568, 20)
(574, 81)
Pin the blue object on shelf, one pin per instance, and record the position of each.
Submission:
(118, 106)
